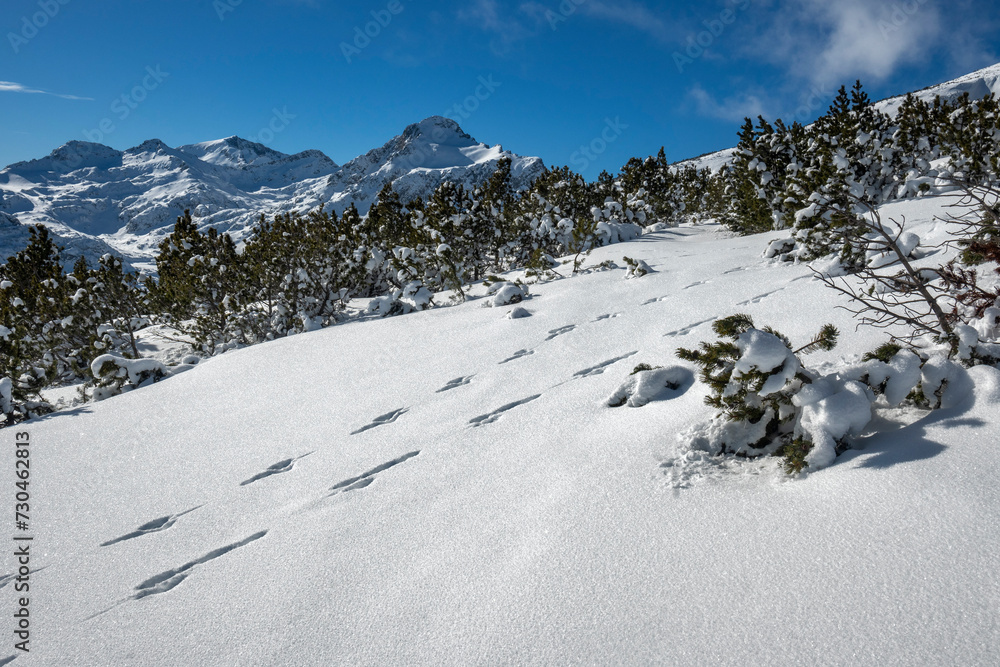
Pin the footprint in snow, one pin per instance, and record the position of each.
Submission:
(154, 526)
(387, 418)
(700, 282)
(517, 355)
(555, 333)
(456, 383)
(275, 469)
(599, 368)
(607, 316)
(491, 417)
(758, 298)
(688, 329)
(657, 299)
(165, 581)
(365, 479)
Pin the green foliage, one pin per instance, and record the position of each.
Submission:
(795, 455)
(883, 353)
(200, 284)
(643, 367)
(825, 340)
(749, 396)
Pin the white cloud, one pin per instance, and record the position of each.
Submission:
(831, 43)
(11, 87)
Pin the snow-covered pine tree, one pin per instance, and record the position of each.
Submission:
(29, 289)
(200, 284)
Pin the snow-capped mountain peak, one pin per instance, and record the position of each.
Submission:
(69, 157)
(130, 199)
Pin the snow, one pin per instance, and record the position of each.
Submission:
(845, 411)
(450, 487)
(505, 294)
(643, 387)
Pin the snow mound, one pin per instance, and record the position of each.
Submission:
(644, 387)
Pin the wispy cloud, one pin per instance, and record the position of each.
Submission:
(630, 13)
(11, 87)
(489, 16)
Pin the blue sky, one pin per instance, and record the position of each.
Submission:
(542, 77)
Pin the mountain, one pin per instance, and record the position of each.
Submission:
(101, 198)
(419, 159)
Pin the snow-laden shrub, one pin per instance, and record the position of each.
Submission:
(770, 404)
(637, 268)
(116, 375)
(413, 297)
(754, 376)
(646, 384)
(505, 294)
(6, 398)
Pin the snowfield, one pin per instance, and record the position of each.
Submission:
(451, 487)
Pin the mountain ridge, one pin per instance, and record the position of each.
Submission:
(128, 200)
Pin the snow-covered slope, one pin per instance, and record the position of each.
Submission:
(450, 487)
(130, 199)
(977, 84)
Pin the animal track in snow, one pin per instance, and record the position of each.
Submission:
(758, 298)
(659, 298)
(700, 282)
(607, 316)
(387, 418)
(165, 581)
(482, 420)
(688, 329)
(456, 383)
(361, 481)
(555, 333)
(517, 355)
(7, 578)
(599, 368)
(276, 469)
(154, 526)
